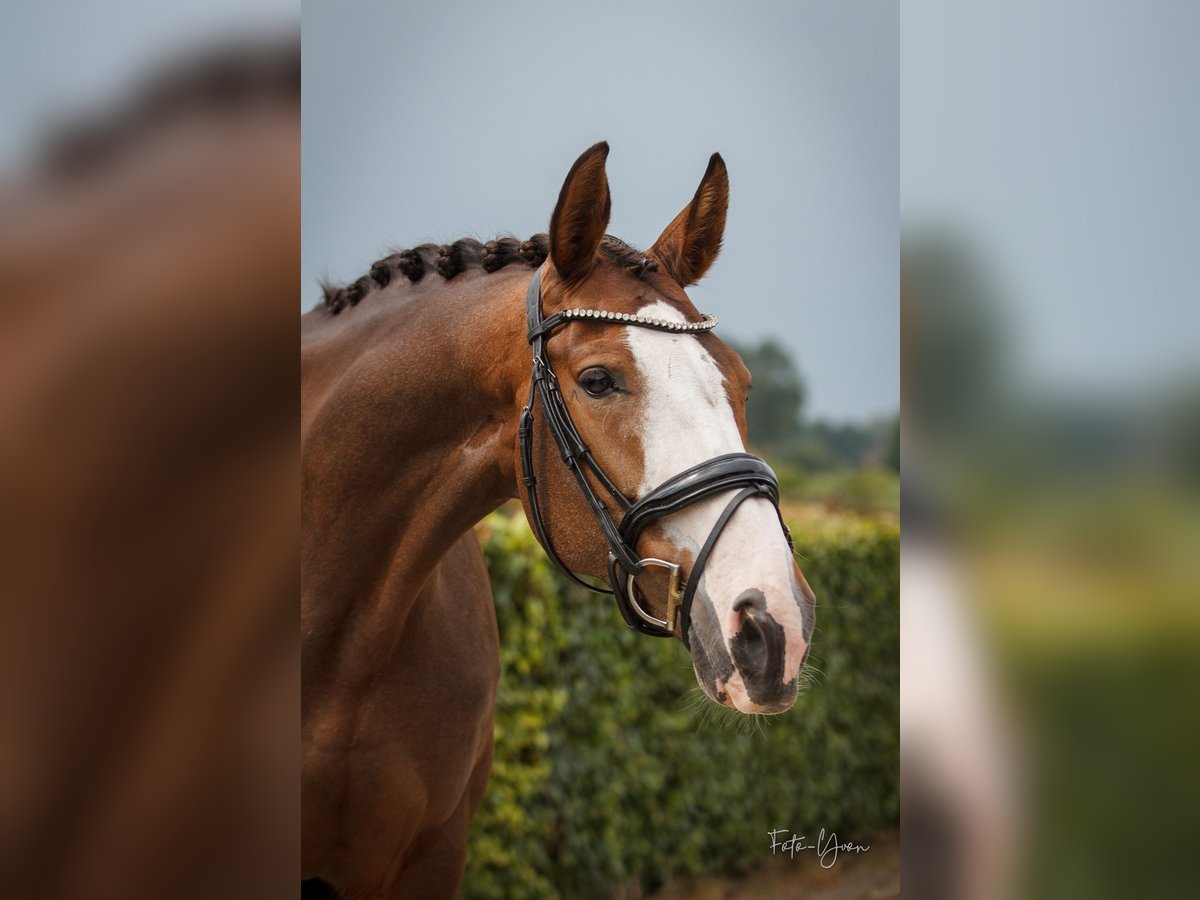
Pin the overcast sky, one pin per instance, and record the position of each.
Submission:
(72, 57)
(1061, 140)
(431, 121)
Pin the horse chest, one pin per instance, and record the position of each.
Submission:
(407, 748)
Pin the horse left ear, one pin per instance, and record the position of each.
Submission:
(690, 244)
(581, 215)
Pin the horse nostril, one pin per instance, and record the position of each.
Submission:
(751, 599)
(758, 632)
(758, 647)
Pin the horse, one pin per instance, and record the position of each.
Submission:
(625, 443)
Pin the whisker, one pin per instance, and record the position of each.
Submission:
(709, 714)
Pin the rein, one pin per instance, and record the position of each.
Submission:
(742, 472)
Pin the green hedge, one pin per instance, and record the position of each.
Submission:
(608, 776)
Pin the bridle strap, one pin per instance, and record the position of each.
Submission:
(576, 456)
(685, 608)
(524, 431)
(714, 476)
(544, 387)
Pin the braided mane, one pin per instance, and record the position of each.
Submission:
(448, 260)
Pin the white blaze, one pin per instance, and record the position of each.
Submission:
(686, 419)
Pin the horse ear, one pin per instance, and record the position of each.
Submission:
(690, 244)
(581, 215)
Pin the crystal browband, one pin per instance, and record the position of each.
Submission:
(709, 323)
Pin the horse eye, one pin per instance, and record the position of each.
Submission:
(597, 381)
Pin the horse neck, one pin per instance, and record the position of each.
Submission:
(410, 407)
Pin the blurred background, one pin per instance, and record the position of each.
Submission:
(1051, 372)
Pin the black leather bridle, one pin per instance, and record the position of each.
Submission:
(741, 472)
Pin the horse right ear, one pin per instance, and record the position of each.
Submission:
(690, 244)
(581, 215)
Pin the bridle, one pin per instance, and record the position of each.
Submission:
(741, 472)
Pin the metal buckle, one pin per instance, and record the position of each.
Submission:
(674, 597)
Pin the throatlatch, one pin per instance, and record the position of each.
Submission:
(744, 473)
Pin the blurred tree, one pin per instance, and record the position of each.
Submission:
(777, 399)
(821, 445)
(954, 335)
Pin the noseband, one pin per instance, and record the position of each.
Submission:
(741, 472)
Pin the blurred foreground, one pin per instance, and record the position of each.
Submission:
(149, 260)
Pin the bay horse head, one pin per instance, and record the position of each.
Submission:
(635, 427)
